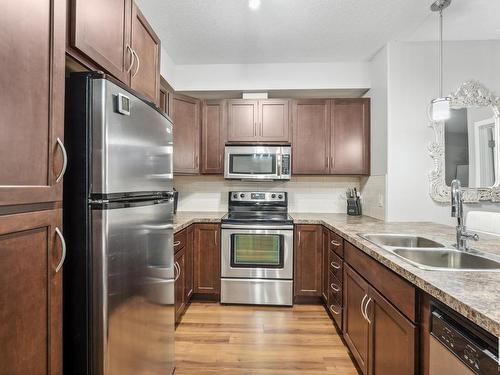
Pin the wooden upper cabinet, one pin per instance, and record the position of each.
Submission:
(32, 105)
(389, 326)
(185, 115)
(145, 72)
(274, 121)
(242, 120)
(350, 134)
(213, 136)
(311, 136)
(100, 29)
(206, 258)
(308, 260)
(356, 327)
(30, 292)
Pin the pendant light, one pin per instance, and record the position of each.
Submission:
(440, 107)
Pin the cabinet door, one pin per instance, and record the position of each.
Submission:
(350, 136)
(388, 327)
(188, 273)
(207, 259)
(30, 293)
(213, 136)
(311, 137)
(145, 73)
(274, 121)
(324, 264)
(308, 257)
(185, 114)
(100, 29)
(242, 121)
(355, 326)
(32, 105)
(180, 300)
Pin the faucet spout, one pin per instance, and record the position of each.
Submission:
(457, 210)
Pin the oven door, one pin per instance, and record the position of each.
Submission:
(252, 162)
(257, 252)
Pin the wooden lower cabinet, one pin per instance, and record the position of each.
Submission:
(324, 265)
(392, 338)
(30, 293)
(384, 340)
(189, 260)
(180, 284)
(356, 328)
(308, 261)
(206, 251)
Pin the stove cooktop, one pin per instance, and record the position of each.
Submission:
(261, 217)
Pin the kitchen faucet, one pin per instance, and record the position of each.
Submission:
(457, 211)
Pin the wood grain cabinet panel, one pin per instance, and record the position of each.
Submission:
(213, 136)
(32, 34)
(189, 262)
(30, 293)
(274, 124)
(145, 72)
(308, 258)
(185, 114)
(355, 326)
(392, 338)
(311, 137)
(207, 259)
(350, 136)
(324, 264)
(100, 29)
(242, 120)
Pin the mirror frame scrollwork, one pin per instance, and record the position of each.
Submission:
(470, 94)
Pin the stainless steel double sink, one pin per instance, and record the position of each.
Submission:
(428, 254)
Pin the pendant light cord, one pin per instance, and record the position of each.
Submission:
(441, 53)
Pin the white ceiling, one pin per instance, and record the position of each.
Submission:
(227, 31)
(302, 31)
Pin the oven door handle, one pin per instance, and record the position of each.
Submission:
(257, 227)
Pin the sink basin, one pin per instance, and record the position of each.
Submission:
(400, 240)
(447, 259)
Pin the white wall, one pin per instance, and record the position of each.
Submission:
(219, 77)
(412, 83)
(305, 193)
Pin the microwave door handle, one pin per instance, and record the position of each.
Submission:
(279, 164)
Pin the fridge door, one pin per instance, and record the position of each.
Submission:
(132, 286)
(132, 143)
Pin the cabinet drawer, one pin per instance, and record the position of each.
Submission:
(335, 308)
(180, 239)
(335, 265)
(336, 244)
(335, 288)
(398, 291)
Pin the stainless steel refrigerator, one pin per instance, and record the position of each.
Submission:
(118, 212)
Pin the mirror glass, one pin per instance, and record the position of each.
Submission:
(471, 147)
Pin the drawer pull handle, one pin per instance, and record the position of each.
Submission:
(335, 265)
(177, 243)
(363, 307)
(63, 245)
(334, 243)
(65, 159)
(335, 287)
(178, 268)
(366, 310)
(333, 310)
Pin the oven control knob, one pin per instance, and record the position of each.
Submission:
(280, 196)
(242, 195)
(235, 195)
(273, 196)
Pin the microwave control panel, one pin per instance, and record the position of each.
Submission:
(285, 164)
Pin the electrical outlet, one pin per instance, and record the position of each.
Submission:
(381, 200)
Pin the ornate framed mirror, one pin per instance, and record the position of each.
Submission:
(466, 146)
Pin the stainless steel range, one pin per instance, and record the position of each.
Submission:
(257, 249)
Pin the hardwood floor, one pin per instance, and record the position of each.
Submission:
(217, 339)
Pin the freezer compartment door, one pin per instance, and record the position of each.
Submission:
(132, 149)
(132, 284)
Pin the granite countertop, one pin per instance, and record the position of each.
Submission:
(475, 295)
(183, 219)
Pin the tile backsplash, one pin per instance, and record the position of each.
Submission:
(322, 194)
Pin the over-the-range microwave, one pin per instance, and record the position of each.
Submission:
(258, 162)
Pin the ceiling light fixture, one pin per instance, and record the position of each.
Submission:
(254, 4)
(440, 107)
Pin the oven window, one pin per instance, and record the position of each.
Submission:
(252, 164)
(257, 250)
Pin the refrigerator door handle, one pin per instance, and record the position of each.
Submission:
(159, 226)
(63, 244)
